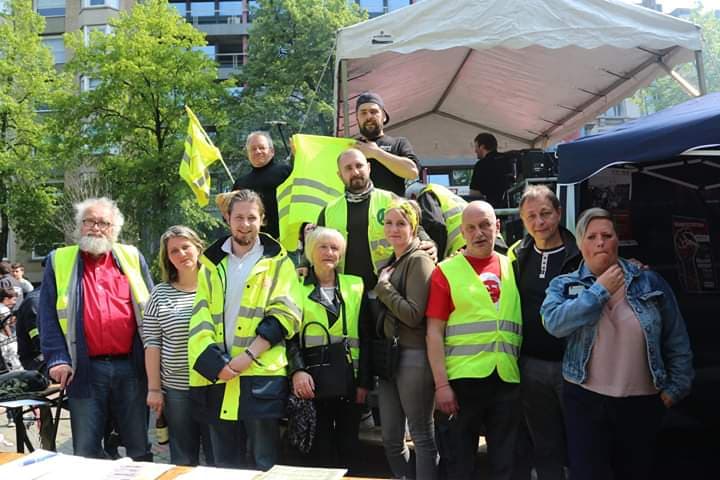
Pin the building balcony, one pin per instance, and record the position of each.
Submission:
(228, 64)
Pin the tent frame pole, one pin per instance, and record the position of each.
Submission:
(345, 96)
(700, 67)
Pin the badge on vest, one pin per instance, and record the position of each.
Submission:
(573, 291)
(380, 216)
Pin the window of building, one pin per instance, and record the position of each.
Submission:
(88, 84)
(230, 11)
(252, 8)
(395, 4)
(57, 48)
(101, 3)
(50, 8)
(208, 50)
(89, 29)
(181, 8)
(201, 10)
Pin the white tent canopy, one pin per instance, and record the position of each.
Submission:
(530, 71)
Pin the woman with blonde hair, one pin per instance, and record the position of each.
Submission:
(165, 334)
(409, 395)
(335, 301)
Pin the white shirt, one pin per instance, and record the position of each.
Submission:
(238, 271)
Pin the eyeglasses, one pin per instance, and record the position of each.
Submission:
(101, 224)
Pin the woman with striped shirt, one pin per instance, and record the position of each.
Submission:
(165, 333)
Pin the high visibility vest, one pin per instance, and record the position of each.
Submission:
(480, 338)
(351, 291)
(380, 249)
(271, 289)
(64, 262)
(452, 207)
(312, 184)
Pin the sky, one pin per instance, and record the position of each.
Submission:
(670, 5)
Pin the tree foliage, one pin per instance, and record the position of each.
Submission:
(291, 49)
(130, 127)
(665, 92)
(28, 83)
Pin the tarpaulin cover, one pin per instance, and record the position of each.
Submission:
(647, 140)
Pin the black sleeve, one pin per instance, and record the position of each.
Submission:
(475, 181)
(403, 148)
(365, 329)
(321, 218)
(271, 330)
(433, 221)
(294, 355)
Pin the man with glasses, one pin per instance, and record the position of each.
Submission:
(90, 312)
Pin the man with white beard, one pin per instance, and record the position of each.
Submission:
(90, 315)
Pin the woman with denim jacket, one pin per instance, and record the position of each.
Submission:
(627, 356)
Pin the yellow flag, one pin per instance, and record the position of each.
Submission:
(200, 153)
(311, 185)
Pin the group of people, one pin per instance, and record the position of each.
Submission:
(561, 335)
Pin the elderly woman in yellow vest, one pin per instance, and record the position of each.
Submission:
(334, 300)
(403, 288)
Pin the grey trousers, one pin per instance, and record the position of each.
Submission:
(411, 396)
(542, 399)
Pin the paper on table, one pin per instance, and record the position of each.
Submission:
(286, 472)
(204, 473)
(42, 465)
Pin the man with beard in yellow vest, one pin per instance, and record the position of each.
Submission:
(246, 307)
(473, 340)
(90, 316)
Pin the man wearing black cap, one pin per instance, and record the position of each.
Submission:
(392, 160)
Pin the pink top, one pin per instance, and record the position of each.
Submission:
(618, 365)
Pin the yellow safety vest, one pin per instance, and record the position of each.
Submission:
(479, 337)
(380, 249)
(271, 290)
(64, 262)
(351, 291)
(312, 184)
(452, 207)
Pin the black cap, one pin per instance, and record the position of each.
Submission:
(371, 97)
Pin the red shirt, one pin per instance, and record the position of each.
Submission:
(108, 316)
(440, 304)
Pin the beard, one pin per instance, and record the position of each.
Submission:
(358, 184)
(244, 239)
(95, 245)
(370, 130)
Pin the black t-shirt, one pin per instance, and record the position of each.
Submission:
(492, 176)
(540, 267)
(357, 257)
(433, 221)
(264, 181)
(380, 175)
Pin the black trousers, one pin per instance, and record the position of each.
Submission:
(610, 437)
(487, 402)
(336, 438)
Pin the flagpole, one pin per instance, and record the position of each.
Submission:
(227, 170)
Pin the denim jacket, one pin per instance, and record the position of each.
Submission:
(574, 304)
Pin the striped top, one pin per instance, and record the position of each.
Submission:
(165, 326)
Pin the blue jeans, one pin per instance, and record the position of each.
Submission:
(113, 382)
(231, 439)
(186, 433)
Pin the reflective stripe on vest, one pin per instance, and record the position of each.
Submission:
(270, 288)
(65, 262)
(479, 337)
(351, 291)
(452, 207)
(380, 249)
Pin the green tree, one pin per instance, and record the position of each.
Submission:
(130, 124)
(289, 73)
(28, 84)
(665, 92)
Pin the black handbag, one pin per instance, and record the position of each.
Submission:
(330, 365)
(384, 352)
